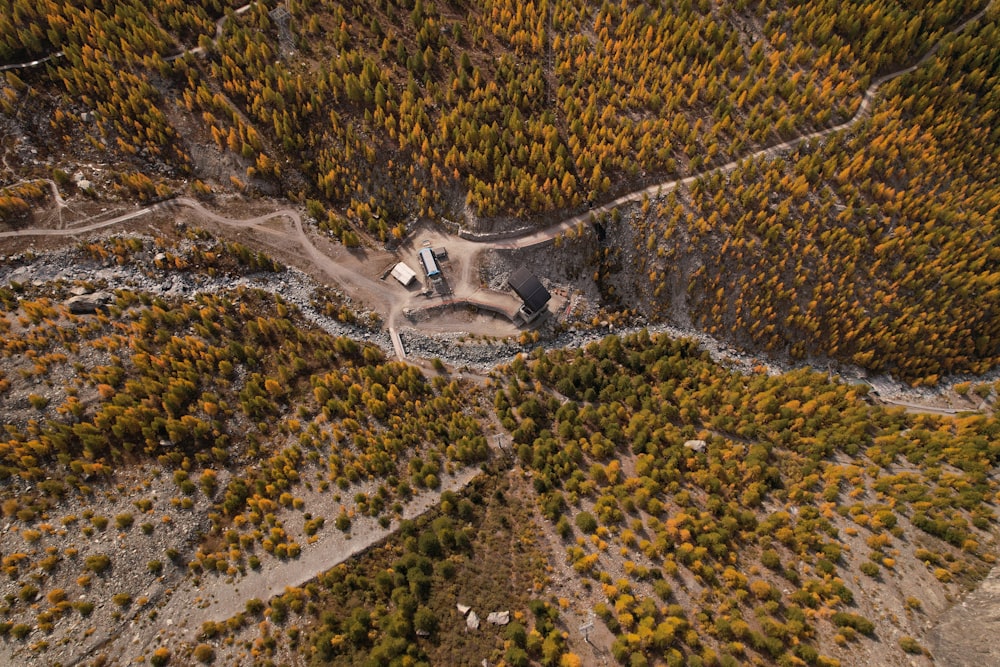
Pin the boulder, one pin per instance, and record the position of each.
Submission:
(87, 304)
(463, 609)
(696, 445)
(472, 621)
(499, 618)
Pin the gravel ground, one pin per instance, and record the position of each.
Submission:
(68, 266)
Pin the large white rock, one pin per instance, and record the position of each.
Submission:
(499, 618)
(696, 445)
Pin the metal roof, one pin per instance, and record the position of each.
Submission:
(530, 289)
(403, 273)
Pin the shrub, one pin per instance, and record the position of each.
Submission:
(20, 631)
(983, 390)
(761, 589)
(312, 526)
(586, 522)
(428, 545)
(910, 645)
(37, 401)
(83, 607)
(869, 568)
(204, 654)
(210, 629)
(144, 505)
(124, 521)
(160, 657)
(516, 633)
(662, 589)
(97, 563)
(49, 563)
(564, 528)
(28, 592)
(516, 657)
(279, 610)
(425, 620)
(845, 619)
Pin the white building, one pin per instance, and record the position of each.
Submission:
(404, 274)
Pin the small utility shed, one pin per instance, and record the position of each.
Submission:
(404, 274)
(530, 290)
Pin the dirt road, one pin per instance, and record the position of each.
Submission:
(357, 276)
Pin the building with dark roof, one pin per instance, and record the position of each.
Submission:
(531, 291)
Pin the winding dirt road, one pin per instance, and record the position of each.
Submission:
(32, 63)
(219, 25)
(660, 189)
(347, 271)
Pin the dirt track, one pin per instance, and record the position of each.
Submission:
(357, 275)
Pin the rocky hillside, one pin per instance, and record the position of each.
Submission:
(195, 471)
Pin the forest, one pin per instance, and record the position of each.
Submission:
(228, 411)
(519, 108)
(704, 515)
(878, 249)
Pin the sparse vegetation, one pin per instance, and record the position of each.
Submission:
(633, 402)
